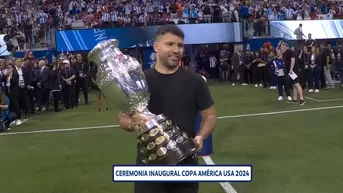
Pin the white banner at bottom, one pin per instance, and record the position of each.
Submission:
(198, 173)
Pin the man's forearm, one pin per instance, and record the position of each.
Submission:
(207, 126)
(292, 64)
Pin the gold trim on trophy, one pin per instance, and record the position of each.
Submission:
(145, 137)
(162, 151)
(159, 140)
(153, 132)
(151, 146)
(152, 157)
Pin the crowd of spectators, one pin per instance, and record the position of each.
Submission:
(34, 18)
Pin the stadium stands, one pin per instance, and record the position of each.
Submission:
(37, 20)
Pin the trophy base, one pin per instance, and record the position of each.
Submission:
(176, 156)
(161, 142)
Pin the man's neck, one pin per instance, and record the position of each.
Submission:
(163, 70)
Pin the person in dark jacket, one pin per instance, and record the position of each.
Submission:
(314, 70)
(68, 76)
(30, 82)
(55, 85)
(21, 73)
(82, 74)
(43, 85)
(256, 70)
(304, 62)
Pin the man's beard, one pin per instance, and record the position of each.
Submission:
(170, 65)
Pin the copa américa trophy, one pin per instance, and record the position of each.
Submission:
(121, 78)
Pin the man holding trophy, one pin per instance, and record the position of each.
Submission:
(160, 105)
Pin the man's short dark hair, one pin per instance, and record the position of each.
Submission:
(172, 29)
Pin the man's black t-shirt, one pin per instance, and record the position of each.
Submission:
(310, 42)
(288, 55)
(179, 96)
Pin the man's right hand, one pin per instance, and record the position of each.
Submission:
(138, 120)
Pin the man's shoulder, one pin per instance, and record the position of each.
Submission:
(150, 72)
(292, 53)
(182, 72)
(190, 75)
(289, 53)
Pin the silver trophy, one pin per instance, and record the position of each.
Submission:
(121, 78)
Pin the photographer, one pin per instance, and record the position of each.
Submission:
(7, 117)
(11, 40)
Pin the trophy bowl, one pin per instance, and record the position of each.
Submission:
(121, 78)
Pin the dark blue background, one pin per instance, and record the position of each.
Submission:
(130, 37)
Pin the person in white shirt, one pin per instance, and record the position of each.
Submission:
(127, 20)
(225, 13)
(299, 32)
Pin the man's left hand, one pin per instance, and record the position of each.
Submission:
(199, 143)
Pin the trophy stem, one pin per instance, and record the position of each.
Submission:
(147, 114)
(152, 121)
